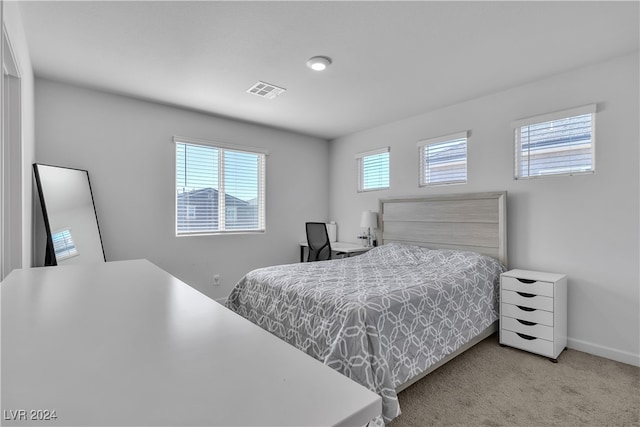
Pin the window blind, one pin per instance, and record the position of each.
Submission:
(373, 170)
(63, 245)
(556, 143)
(218, 189)
(443, 160)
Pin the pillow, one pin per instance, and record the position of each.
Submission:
(397, 253)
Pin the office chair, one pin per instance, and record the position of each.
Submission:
(318, 241)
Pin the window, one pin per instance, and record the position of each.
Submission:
(191, 212)
(555, 143)
(220, 188)
(63, 244)
(443, 160)
(373, 170)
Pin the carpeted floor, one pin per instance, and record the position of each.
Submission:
(491, 385)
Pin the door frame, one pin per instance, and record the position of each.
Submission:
(11, 159)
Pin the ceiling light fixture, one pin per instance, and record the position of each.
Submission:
(319, 63)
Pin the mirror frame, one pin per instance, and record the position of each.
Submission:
(50, 255)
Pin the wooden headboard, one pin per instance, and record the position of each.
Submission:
(472, 221)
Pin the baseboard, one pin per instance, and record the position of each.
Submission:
(606, 352)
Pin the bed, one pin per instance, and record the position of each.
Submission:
(388, 317)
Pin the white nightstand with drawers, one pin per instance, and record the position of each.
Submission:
(533, 312)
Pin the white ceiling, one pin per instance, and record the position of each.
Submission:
(391, 59)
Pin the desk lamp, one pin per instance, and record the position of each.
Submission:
(369, 220)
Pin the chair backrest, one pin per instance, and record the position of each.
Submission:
(318, 241)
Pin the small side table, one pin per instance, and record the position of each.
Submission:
(533, 312)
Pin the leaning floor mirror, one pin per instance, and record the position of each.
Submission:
(71, 223)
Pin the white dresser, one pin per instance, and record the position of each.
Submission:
(533, 312)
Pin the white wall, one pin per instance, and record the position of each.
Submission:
(127, 147)
(586, 226)
(15, 32)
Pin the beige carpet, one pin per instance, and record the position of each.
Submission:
(491, 385)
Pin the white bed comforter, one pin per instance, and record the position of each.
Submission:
(381, 318)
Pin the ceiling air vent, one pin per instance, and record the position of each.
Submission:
(265, 90)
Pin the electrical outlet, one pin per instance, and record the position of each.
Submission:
(216, 280)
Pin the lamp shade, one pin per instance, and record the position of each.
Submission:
(369, 219)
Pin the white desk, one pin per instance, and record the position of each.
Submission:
(346, 248)
(125, 343)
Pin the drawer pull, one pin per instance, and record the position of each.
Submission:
(528, 281)
(525, 308)
(526, 322)
(526, 337)
(526, 295)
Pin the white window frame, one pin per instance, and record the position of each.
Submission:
(423, 180)
(222, 147)
(360, 159)
(518, 125)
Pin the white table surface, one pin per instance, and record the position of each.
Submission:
(343, 247)
(340, 247)
(125, 343)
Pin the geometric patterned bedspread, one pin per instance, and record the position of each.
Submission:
(380, 318)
